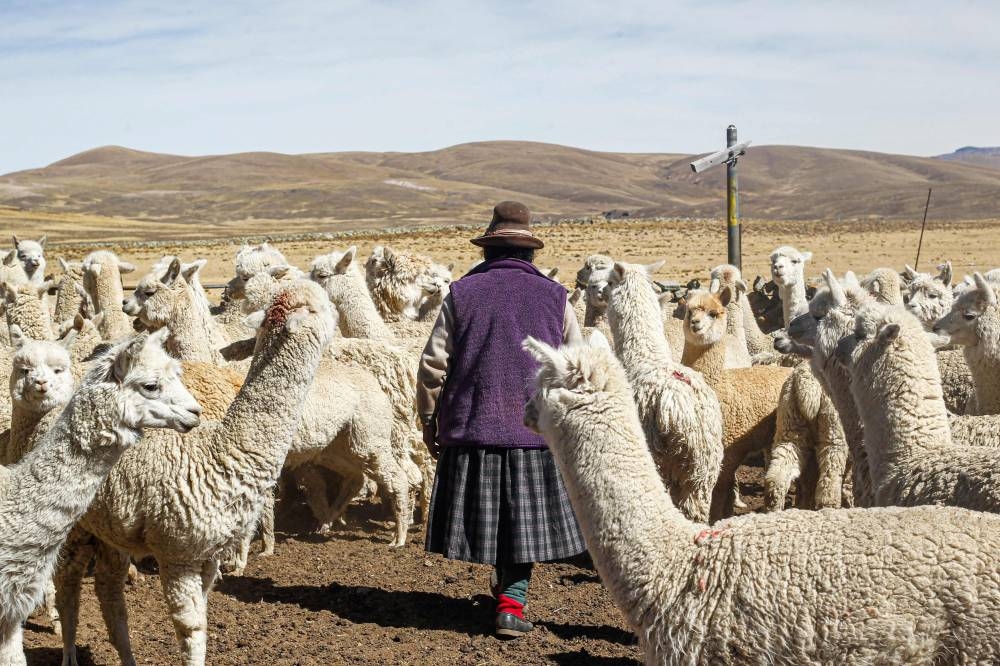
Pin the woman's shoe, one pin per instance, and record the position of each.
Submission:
(511, 626)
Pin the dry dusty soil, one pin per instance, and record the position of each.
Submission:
(347, 598)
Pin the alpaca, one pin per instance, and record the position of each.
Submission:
(69, 291)
(885, 285)
(757, 341)
(748, 397)
(788, 272)
(737, 350)
(395, 281)
(974, 323)
(188, 500)
(31, 255)
(26, 308)
(781, 588)
(337, 273)
(11, 270)
(135, 385)
(102, 280)
(434, 284)
(912, 458)
(680, 413)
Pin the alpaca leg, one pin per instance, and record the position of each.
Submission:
(313, 485)
(392, 479)
(787, 461)
(183, 588)
(50, 607)
(722, 495)
(109, 584)
(11, 644)
(267, 526)
(831, 455)
(209, 574)
(75, 557)
(350, 486)
(805, 492)
(236, 565)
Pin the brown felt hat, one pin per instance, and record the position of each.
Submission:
(510, 227)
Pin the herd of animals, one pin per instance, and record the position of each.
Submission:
(157, 424)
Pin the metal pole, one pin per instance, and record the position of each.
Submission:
(916, 264)
(733, 230)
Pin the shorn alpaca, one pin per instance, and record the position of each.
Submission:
(680, 413)
(189, 500)
(843, 586)
(896, 385)
(135, 385)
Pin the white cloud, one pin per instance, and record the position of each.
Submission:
(185, 77)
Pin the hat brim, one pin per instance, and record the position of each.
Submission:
(527, 242)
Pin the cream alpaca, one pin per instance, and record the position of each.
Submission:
(911, 456)
(69, 291)
(757, 342)
(102, 280)
(885, 285)
(31, 255)
(134, 386)
(26, 308)
(788, 272)
(680, 413)
(189, 500)
(780, 588)
(396, 280)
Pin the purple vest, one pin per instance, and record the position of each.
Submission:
(490, 378)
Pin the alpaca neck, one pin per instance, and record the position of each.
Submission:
(793, 300)
(637, 327)
(192, 331)
(51, 487)
(593, 315)
(23, 422)
(709, 360)
(757, 340)
(258, 427)
(31, 317)
(985, 369)
(631, 526)
(735, 326)
(109, 298)
(903, 410)
(67, 300)
(358, 317)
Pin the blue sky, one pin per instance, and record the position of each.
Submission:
(661, 76)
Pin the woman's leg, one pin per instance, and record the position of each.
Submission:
(512, 597)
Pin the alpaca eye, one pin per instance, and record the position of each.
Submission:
(151, 387)
(150, 293)
(934, 296)
(58, 371)
(968, 316)
(906, 299)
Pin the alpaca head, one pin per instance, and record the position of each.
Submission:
(295, 308)
(972, 318)
(157, 296)
(831, 314)
(634, 279)
(31, 254)
(705, 318)
(788, 266)
(375, 265)
(147, 381)
(434, 283)
(593, 263)
(928, 297)
(24, 306)
(252, 259)
(101, 271)
(885, 285)
(326, 266)
(569, 377)
(40, 378)
(887, 343)
(729, 276)
(259, 290)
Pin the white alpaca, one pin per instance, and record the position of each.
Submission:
(26, 308)
(759, 345)
(102, 280)
(134, 386)
(397, 281)
(680, 413)
(788, 272)
(189, 500)
(885, 285)
(31, 255)
(896, 385)
(780, 588)
(69, 291)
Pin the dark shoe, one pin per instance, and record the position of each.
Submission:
(511, 626)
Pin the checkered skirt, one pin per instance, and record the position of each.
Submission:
(494, 505)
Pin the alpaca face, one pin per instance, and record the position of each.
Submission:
(155, 299)
(252, 259)
(598, 291)
(40, 378)
(434, 284)
(881, 335)
(31, 254)
(595, 262)
(831, 316)
(965, 323)
(705, 318)
(788, 266)
(929, 298)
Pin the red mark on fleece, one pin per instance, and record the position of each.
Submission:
(278, 313)
(706, 535)
(702, 584)
(677, 374)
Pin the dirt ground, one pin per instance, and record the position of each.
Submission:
(347, 598)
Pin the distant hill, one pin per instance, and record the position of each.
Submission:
(461, 183)
(989, 156)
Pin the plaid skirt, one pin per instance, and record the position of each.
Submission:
(501, 506)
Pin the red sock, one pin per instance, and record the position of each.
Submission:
(507, 605)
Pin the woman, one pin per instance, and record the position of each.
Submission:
(498, 498)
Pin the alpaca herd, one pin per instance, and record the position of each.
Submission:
(156, 423)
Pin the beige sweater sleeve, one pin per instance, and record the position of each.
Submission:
(433, 369)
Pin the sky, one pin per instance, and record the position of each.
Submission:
(195, 78)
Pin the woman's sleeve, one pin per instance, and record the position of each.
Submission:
(433, 369)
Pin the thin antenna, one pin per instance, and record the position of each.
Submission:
(916, 264)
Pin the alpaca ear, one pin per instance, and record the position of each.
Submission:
(278, 272)
(544, 354)
(159, 336)
(173, 271)
(597, 340)
(983, 286)
(345, 262)
(41, 241)
(17, 337)
(94, 268)
(851, 279)
(807, 256)
(78, 321)
(551, 274)
(875, 287)
(11, 258)
(575, 296)
(945, 276)
(192, 269)
(295, 319)
(67, 340)
(715, 285)
(908, 272)
(126, 358)
(65, 266)
(726, 296)
(255, 320)
(889, 332)
(618, 270)
(836, 289)
(655, 266)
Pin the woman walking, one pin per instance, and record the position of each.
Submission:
(498, 498)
